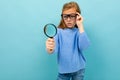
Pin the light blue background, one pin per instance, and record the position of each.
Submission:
(22, 42)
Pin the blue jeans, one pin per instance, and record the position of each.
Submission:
(79, 75)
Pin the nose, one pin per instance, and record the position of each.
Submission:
(68, 19)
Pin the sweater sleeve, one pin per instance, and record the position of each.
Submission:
(83, 41)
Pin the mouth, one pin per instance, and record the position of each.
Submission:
(69, 24)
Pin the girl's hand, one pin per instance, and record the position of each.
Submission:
(79, 22)
(50, 44)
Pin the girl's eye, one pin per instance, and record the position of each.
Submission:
(72, 16)
(65, 16)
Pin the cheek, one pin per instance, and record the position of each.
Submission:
(74, 22)
(65, 22)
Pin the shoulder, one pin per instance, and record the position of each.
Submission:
(59, 30)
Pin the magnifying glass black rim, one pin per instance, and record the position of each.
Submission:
(45, 30)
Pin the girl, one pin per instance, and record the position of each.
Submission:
(69, 43)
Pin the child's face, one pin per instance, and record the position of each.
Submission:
(69, 17)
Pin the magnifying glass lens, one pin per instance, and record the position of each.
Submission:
(50, 30)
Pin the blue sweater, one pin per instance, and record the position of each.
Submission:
(69, 44)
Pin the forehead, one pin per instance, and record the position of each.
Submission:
(69, 11)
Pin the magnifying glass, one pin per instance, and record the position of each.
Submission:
(50, 30)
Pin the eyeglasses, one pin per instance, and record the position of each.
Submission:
(70, 16)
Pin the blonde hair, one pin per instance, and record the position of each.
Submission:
(67, 6)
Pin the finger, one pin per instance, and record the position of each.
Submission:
(77, 13)
(50, 47)
(50, 43)
(79, 18)
(51, 39)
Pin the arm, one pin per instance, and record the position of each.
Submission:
(83, 39)
(79, 22)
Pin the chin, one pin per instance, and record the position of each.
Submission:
(70, 26)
